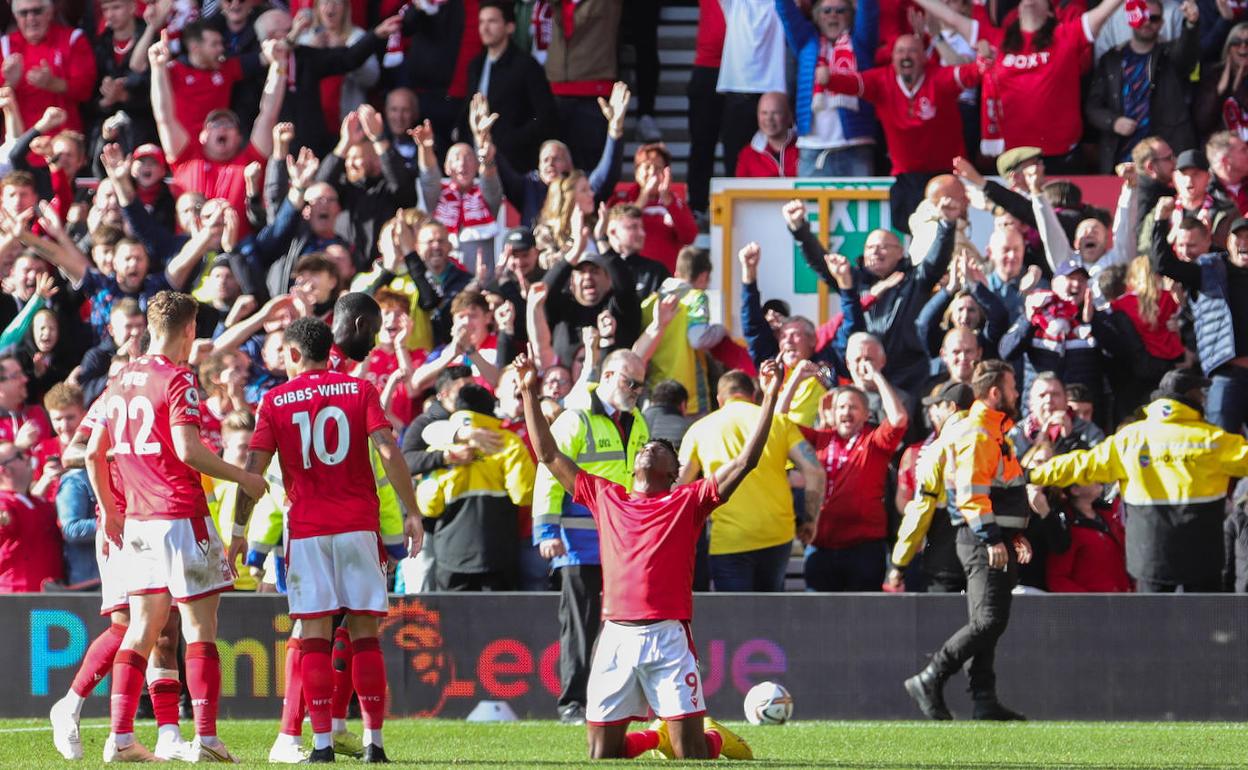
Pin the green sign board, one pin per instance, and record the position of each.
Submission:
(852, 221)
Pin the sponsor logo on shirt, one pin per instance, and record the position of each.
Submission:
(1025, 61)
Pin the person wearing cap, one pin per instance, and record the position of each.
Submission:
(1091, 246)
(1193, 199)
(595, 284)
(1013, 197)
(1064, 331)
(211, 160)
(1136, 85)
(1217, 284)
(922, 490)
(148, 169)
(518, 269)
(1174, 470)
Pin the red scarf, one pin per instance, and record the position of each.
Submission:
(992, 142)
(465, 215)
(1234, 118)
(1055, 319)
(839, 58)
(543, 25)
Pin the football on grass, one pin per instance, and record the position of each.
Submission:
(768, 703)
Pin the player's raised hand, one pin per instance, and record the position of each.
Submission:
(527, 371)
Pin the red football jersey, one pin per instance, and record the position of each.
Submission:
(143, 403)
(647, 545)
(318, 423)
(198, 92)
(94, 416)
(11, 423)
(192, 170)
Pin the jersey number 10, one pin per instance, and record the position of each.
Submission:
(312, 435)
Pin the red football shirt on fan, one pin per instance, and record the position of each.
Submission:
(923, 126)
(30, 543)
(198, 92)
(1039, 89)
(647, 545)
(382, 364)
(708, 47)
(318, 423)
(192, 171)
(11, 422)
(144, 402)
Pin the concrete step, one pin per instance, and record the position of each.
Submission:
(679, 14)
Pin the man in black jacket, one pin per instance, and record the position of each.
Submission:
(1135, 88)
(581, 287)
(626, 235)
(371, 180)
(515, 86)
(309, 66)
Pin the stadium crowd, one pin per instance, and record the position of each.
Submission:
(269, 159)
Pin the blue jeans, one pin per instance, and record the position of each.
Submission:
(849, 161)
(1227, 402)
(760, 570)
(854, 568)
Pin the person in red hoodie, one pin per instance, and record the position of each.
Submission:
(668, 219)
(1096, 561)
(47, 64)
(773, 150)
(30, 542)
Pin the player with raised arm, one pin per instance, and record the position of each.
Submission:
(644, 658)
(316, 423)
(170, 546)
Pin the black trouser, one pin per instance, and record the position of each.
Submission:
(706, 112)
(443, 112)
(1208, 586)
(580, 617)
(905, 196)
(853, 568)
(739, 124)
(584, 129)
(498, 580)
(988, 596)
(640, 26)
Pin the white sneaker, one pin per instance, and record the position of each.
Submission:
(170, 747)
(216, 752)
(65, 729)
(286, 753)
(133, 752)
(648, 129)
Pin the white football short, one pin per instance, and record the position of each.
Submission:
(181, 556)
(641, 668)
(112, 575)
(328, 574)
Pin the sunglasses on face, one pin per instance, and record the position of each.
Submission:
(1238, 42)
(1154, 18)
(29, 12)
(629, 382)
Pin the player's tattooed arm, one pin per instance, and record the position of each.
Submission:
(730, 475)
(401, 481)
(544, 446)
(814, 476)
(256, 463)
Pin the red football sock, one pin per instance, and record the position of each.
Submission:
(165, 696)
(318, 683)
(203, 681)
(129, 671)
(99, 659)
(637, 743)
(368, 671)
(343, 689)
(714, 742)
(292, 702)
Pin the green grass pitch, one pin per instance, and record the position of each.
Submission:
(445, 743)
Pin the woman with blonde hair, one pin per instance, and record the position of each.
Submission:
(1154, 315)
(332, 28)
(563, 197)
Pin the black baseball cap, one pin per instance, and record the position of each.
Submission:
(1239, 224)
(958, 392)
(1192, 159)
(1178, 383)
(520, 238)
